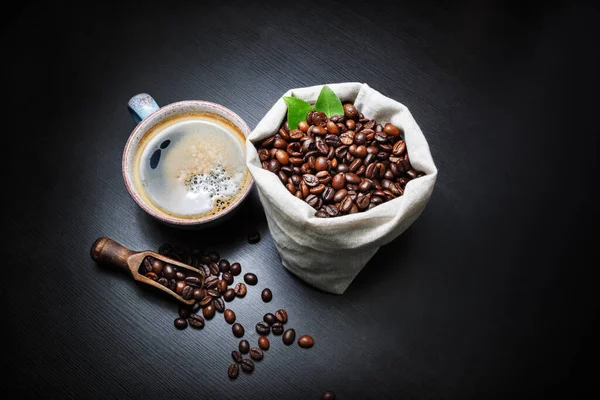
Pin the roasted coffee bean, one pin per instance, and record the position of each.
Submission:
(302, 126)
(221, 286)
(340, 195)
(224, 265)
(209, 311)
(187, 293)
(179, 276)
(365, 185)
(163, 281)
(214, 269)
(238, 329)
(321, 214)
(235, 269)
(289, 336)
(256, 354)
(183, 310)
(247, 365)
(269, 318)
(244, 346)
(253, 237)
(346, 138)
(346, 204)
(355, 165)
(213, 293)
(211, 282)
(240, 289)
(266, 295)
(350, 111)
(227, 277)
(151, 275)
(262, 328)
(328, 395)
(229, 316)
(412, 174)
(397, 169)
(317, 189)
(352, 178)
(328, 194)
(250, 278)
(363, 202)
(236, 356)
(204, 268)
(196, 321)
(323, 176)
(399, 148)
(351, 124)
(219, 304)
(330, 210)
(181, 323)
(263, 343)
(391, 129)
(333, 140)
(306, 341)
(338, 181)
(172, 284)
(179, 287)
(193, 281)
(146, 265)
(277, 328)
(169, 271)
(233, 371)
(332, 127)
(310, 179)
(281, 315)
(314, 201)
(229, 295)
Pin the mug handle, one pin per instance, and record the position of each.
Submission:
(141, 105)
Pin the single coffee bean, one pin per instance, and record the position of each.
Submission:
(236, 356)
(183, 310)
(269, 318)
(213, 293)
(340, 195)
(221, 286)
(163, 281)
(181, 323)
(206, 301)
(180, 276)
(263, 343)
(151, 275)
(227, 277)
(281, 316)
(244, 346)
(196, 321)
(208, 311)
(277, 328)
(350, 111)
(250, 279)
(224, 265)
(240, 289)
(157, 266)
(306, 341)
(266, 295)
(233, 371)
(235, 269)
(229, 316)
(247, 365)
(219, 304)
(328, 395)
(391, 129)
(205, 269)
(187, 292)
(172, 284)
(238, 329)
(256, 354)
(289, 336)
(229, 295)
(193, 281)
(214, 269)
(179, 287)
(253, 237)
(262, 328)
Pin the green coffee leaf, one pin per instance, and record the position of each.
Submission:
(329, 103)
(297, 110)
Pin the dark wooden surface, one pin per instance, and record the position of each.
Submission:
(490, 294)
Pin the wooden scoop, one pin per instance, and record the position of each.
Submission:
(107, 251)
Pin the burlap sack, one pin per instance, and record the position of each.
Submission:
(328, 253)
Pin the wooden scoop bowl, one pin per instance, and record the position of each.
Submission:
(106, 251)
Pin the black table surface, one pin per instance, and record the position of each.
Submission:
(489, 294)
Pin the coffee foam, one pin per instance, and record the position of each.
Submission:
(201, 170)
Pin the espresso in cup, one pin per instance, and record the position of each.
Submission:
(191, 165)
(184, 163)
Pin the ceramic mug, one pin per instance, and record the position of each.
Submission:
(184, 163)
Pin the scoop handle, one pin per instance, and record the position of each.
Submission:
(107, 251)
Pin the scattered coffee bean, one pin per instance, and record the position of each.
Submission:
(328, 395)
(221, 286)
(289, 336)
(277, 328)
(206, 301)
(219, 304)
(237, 357)
(238, 329)
(235, 269)
(281, 316)
(224, 265)
(244, 346)
(256, 354)
(240, 289)
(269, 318)
(229, 295)
(196, 321)
(233, 371)
(229, 316)
(227, 277)
(183, 310)
(193, 281)
(263, 328)
(263, 343)
(266, 295)
(305, 341)
(209, 311)
(253, 237)
(250, 279)
(181, 323)
(247, 365)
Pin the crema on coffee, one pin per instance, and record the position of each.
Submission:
(192, 165)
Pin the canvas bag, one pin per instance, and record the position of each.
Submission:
(328, 253)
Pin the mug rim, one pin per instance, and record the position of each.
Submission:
(125, 165)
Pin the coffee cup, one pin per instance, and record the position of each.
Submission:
(184, 163)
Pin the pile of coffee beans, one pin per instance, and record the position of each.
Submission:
(340, 165)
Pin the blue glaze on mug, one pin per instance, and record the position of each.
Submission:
(141, 105)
